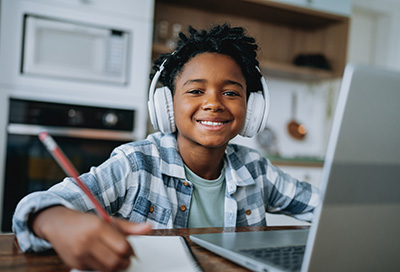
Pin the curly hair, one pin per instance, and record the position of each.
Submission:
(222, 39)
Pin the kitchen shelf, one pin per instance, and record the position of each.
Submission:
(264, 10)
(289, 70)
(160, 49)
(275, 68)
(297, 161)
(282, 31)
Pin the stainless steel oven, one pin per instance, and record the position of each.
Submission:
(86, 134)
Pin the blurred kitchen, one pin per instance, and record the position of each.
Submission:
(79, 68)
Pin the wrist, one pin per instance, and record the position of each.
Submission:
(41, 219)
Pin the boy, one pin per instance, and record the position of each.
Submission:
(189, 178)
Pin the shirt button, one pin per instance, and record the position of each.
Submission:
(183, 208)
(248, 212)
(151, 209)
(186, 183)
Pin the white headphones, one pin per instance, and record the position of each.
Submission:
(161, 109)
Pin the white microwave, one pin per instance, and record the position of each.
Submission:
(70, 50)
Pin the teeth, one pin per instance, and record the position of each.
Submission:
(209, 123)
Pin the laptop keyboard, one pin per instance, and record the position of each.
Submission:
(289, 258)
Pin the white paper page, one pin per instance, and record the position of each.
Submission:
(160, 253)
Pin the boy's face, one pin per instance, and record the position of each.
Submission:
(209, 100)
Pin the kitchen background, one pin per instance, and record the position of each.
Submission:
(99, 97)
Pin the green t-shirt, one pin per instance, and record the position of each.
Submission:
(208, 200)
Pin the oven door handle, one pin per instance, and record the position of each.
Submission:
(84, 133)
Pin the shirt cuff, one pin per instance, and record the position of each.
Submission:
(28, 207)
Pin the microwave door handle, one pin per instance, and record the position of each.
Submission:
(84, 133)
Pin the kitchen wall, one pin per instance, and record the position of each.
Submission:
(315, 104)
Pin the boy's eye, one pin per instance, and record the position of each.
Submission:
(195, 91)
(231, 93)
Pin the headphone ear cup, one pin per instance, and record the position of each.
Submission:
(164, 110)
(254, 114)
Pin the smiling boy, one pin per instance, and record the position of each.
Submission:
(191, 177)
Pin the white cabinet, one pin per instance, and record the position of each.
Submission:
(340, 7)
(374, 33)
(135, 9)
(291, 2)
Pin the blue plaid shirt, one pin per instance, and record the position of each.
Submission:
(145, 182)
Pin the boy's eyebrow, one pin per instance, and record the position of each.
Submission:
(187, 82)
(234, 83)
(203, 81)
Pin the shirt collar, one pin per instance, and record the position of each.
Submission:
(171, 163)
(236, 171)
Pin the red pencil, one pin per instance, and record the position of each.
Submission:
(70, 170)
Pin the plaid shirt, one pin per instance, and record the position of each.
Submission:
(145, 182)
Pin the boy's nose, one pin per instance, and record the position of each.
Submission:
(213, 102)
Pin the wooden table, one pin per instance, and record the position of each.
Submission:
(13, 259)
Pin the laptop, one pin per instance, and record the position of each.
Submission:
(357, 227)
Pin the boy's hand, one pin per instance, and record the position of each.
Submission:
(84, 241)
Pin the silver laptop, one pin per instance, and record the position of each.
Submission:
(357, 227)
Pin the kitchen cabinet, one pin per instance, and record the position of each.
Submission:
(135, 9)
(341, 7)
(284, 32)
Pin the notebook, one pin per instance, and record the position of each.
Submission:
(160, 253)
(357, 227)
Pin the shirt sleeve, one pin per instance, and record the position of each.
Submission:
(287, 195)
(107, 182)
(26, 208)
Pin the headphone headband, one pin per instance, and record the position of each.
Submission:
(266, 100)
(152, 89)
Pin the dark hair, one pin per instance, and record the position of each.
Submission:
(222, 39)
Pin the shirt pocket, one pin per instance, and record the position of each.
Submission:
(145, 210)
(251, 215)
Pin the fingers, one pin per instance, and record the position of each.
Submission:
(115, 239)
(100, 259)
(107, 258)
(102, 249)
(115, 251)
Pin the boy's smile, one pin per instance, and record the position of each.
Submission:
(209, 101)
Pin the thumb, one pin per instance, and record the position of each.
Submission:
(131, 228)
